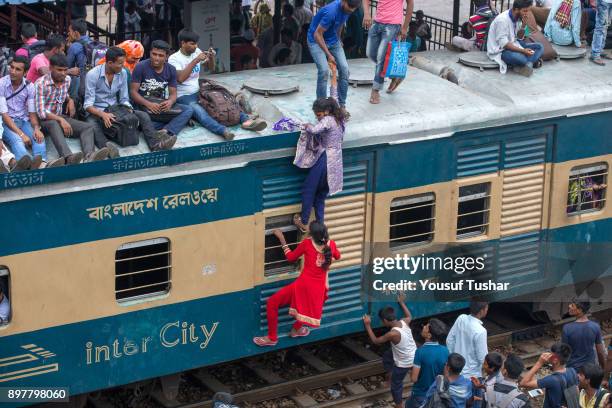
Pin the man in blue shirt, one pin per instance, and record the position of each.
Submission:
(326, 47)
(107, 85)
(77, 54)
(459, 387)
(583, 336)
(429, 361)
(562, 378)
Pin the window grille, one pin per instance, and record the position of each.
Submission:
(473, 211)
(412, 220)
(142, 269)
(275, 262)
(587, 188)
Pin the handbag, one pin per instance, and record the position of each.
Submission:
(396, 60)
(163, 117)
(124, 130)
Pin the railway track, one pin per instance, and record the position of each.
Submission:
(326, 385)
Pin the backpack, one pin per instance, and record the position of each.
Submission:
(124, 131)
(441, 397)
(506, 401)
(220, 103)
(94, 52)
(569, 393)
(601, 394)
(34, 49)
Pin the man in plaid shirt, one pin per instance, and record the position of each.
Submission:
(51, 91)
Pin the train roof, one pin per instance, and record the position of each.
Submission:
(425, 106)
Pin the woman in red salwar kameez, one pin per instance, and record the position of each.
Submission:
(306, 295)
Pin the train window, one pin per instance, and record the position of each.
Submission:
(587, 188)
(411, 220)
(142, 269)
(473, 211)
(275, 262)
(5, 299)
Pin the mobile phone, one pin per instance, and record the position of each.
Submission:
(535, 393)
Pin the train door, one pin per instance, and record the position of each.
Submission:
(348, 216)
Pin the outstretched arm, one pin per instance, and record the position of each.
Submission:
(391, 335)
(401, 298)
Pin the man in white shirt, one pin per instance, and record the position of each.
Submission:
(5, 308)
(187, 61)
(468, 337)
(302, 14)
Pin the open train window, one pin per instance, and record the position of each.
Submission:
(411, 220)
(473, 211)
(142, 269)
(587, 188)
(5, 299)
(274, 259)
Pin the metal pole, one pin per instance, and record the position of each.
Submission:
(95, 17)
(120, 34)
(276, 21)
(456, 4)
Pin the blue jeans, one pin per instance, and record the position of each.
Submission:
(397, 376)
(179, 122)
(314, 191)
(604, 14)
(319, 57)
(379, 37)
(16, 145)
(516, 59)
(200, 114)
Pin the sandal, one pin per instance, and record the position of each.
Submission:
(264, 342)
(301, 332)
(256, 125)
(605, 56)
(297, 221)
(538, 63)
(598, 61)
(375, 97)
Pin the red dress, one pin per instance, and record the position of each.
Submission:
(309, 290)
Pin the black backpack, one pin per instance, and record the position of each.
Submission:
(34, 49)
(441, 397)
(124, 130)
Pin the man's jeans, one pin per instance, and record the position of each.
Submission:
(319, 57)
(15, 143)
(379, 37)
(516, 59)
(200, 114)
(604, 14)
(178, 123)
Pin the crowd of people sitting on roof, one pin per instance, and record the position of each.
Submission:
(39, 99)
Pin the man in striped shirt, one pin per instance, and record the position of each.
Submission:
(51, 91)
(479, 22)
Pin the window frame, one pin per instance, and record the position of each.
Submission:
(417, 198)
(488, 195)
(4, 271)
(270, 224)
(145, 296)
(583, 171)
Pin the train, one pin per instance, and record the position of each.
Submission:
(152, 264)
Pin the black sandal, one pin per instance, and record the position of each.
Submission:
(538, 63)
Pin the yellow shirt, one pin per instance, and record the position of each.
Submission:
(591, 402)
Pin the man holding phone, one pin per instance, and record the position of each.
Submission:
(561, 386)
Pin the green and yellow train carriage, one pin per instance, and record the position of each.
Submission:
(156, 263)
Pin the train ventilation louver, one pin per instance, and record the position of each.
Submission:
(474, 160)
(519, 259)
(523, 187)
